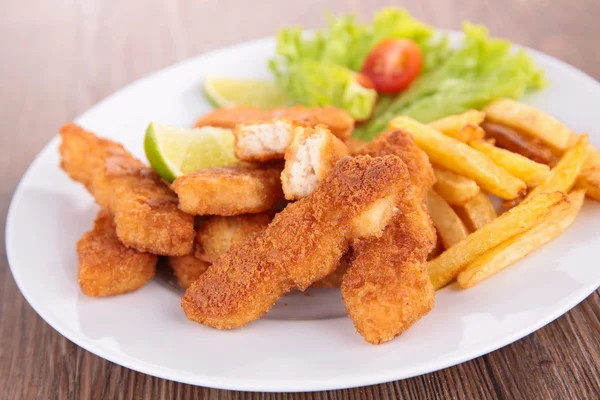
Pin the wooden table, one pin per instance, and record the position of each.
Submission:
(59, 58)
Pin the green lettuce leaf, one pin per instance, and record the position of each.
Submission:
(328, 57)
(315, 83)
(481, 70)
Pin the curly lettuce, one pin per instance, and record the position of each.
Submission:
(481, 70)
(321, 69)
(329, 59)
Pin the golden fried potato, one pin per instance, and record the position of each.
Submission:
(526, 215)
(529, 171)
(453, 124)
(448, 224)
(460, 158)
(531, 121)
(523, 244)
(507, 138)
(477, 212)
(564, 174)
(589, 178)
(456, 189)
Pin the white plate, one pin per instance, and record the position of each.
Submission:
(308, 344)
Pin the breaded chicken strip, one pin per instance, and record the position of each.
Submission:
(337, 120)
(402, 145)
(144, 208)
(387, 287)
(334, 279)
(238, 189)
(187, 269)
(261, 141)
(106, 267)
(310, 158)
(302, 245)
(217, 235)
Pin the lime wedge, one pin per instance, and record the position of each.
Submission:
(224, 92)
(173, 152)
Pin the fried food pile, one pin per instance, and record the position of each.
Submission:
(387, 222)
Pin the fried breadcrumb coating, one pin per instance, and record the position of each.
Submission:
(337, 120)
(144, 208)
(217, 235)
(106, 266)
(387, 286)
(302, 245)
(187, 269)
(238, 189)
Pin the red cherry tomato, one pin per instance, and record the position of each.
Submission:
(393, 64)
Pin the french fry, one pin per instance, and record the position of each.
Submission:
(530, 121)
(470, 132)
(455, 189)
(590, 174)
(521, 245)
(461, 158)
(443, 269)
(507, 138)
(564, 174)
(453, 124)
(477, 212)
(449, 226)
(529, 171)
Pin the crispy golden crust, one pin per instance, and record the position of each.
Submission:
(217, 235)
(339, 121)
(300, 162)
(226, 191)
(402, 145)
(302, 245)
(387, 287)
(145, 210)
(334, 279)
(106, 267)
(187, 269)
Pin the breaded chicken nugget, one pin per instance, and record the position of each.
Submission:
(217, 235)
(309, 159)
(238, 189)
(144, 208)
(402, 145)
(261, 141)
(106, 266)
(387, 286)
(337, 120)
(187, 268)
(302, 245)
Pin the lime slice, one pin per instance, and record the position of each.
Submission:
(224, 92)
(173, 152)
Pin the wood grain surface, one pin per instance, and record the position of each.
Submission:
(58, 58)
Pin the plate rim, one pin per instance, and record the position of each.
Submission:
(266, 385)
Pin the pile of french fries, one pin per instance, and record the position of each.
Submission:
(533, 162)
